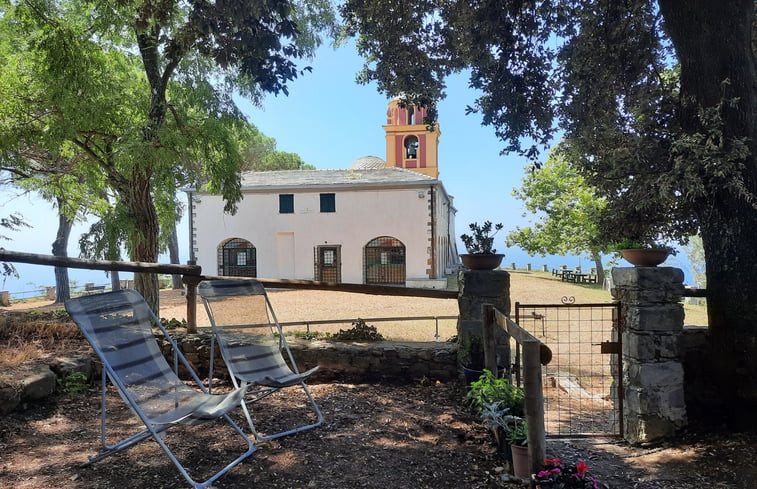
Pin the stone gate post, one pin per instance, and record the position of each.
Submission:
(652, 329)
(476, 288)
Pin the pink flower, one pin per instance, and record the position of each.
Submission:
(582, 468)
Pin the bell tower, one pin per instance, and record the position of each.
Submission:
(409, 144)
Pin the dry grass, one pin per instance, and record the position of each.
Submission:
(28, 337)
(25, 340)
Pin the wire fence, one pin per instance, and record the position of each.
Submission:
(406, 328)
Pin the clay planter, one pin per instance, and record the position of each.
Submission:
(521, 462)
(645, 257)
(482, 261)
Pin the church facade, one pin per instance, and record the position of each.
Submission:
(385, 222)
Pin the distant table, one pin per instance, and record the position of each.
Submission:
(579, 277)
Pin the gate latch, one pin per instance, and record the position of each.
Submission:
(610, 347)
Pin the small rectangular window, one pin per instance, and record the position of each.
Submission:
(286, 203)
(328, 203)
(241, 259)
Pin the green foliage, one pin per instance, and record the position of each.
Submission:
(74, 384)
(360, 331)
(260, 154)
(518, 434)
(173, 323)
(661, 148)
(13, 222)
(489, 389)
(497, 417)
(312, 335)
(119, 95)
(565, 206)
(470, 351)
(695, 253)
(481, 238)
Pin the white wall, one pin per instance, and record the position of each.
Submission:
(360, 216)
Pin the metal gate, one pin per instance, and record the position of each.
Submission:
(583, 391)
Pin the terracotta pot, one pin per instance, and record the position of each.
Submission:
(521, 462)
(645, 257)
(482, 261)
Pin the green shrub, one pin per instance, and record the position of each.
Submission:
(173, 323)
(312, 335)
(74, 384)
(489, 389)
(359, 332)
(518, 435)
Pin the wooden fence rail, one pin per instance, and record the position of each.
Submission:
(192, 275)
(535, 354)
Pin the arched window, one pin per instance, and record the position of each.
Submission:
(237, 258)
(385, 261)
(411, 115)
(411, 147)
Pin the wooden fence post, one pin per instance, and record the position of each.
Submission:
(191, 284)
(532, 386)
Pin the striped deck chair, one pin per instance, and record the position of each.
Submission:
(119, 326)
(253, 346)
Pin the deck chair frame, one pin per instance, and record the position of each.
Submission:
(268, 378)
(195, 406)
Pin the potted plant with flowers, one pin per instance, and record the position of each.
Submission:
(554, 476)
(481, 254)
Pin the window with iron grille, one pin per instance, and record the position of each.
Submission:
(237, 258)
(286, 203)
(384, 260)
(328, 203)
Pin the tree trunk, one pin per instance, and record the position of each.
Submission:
(600, 268)
(713, 44)
(145, 240)
(60, 248)
(115, 280)
(173, 253)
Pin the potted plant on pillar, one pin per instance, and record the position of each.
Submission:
(481, 255)
(643, 254)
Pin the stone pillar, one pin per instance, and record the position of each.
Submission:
(652, 315)
(476, 288)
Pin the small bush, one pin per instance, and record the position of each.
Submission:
(359, 332)
(488, 389)
(312, 335)
(74, 384)
(173, 323)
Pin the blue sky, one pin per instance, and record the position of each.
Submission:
(330, 120)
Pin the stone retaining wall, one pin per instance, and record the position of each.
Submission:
(339, 361)
(347, 361)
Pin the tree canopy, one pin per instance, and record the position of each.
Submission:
(565, 209)
(143, 91)
(657, 99)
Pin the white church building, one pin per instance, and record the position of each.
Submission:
(378, 222)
